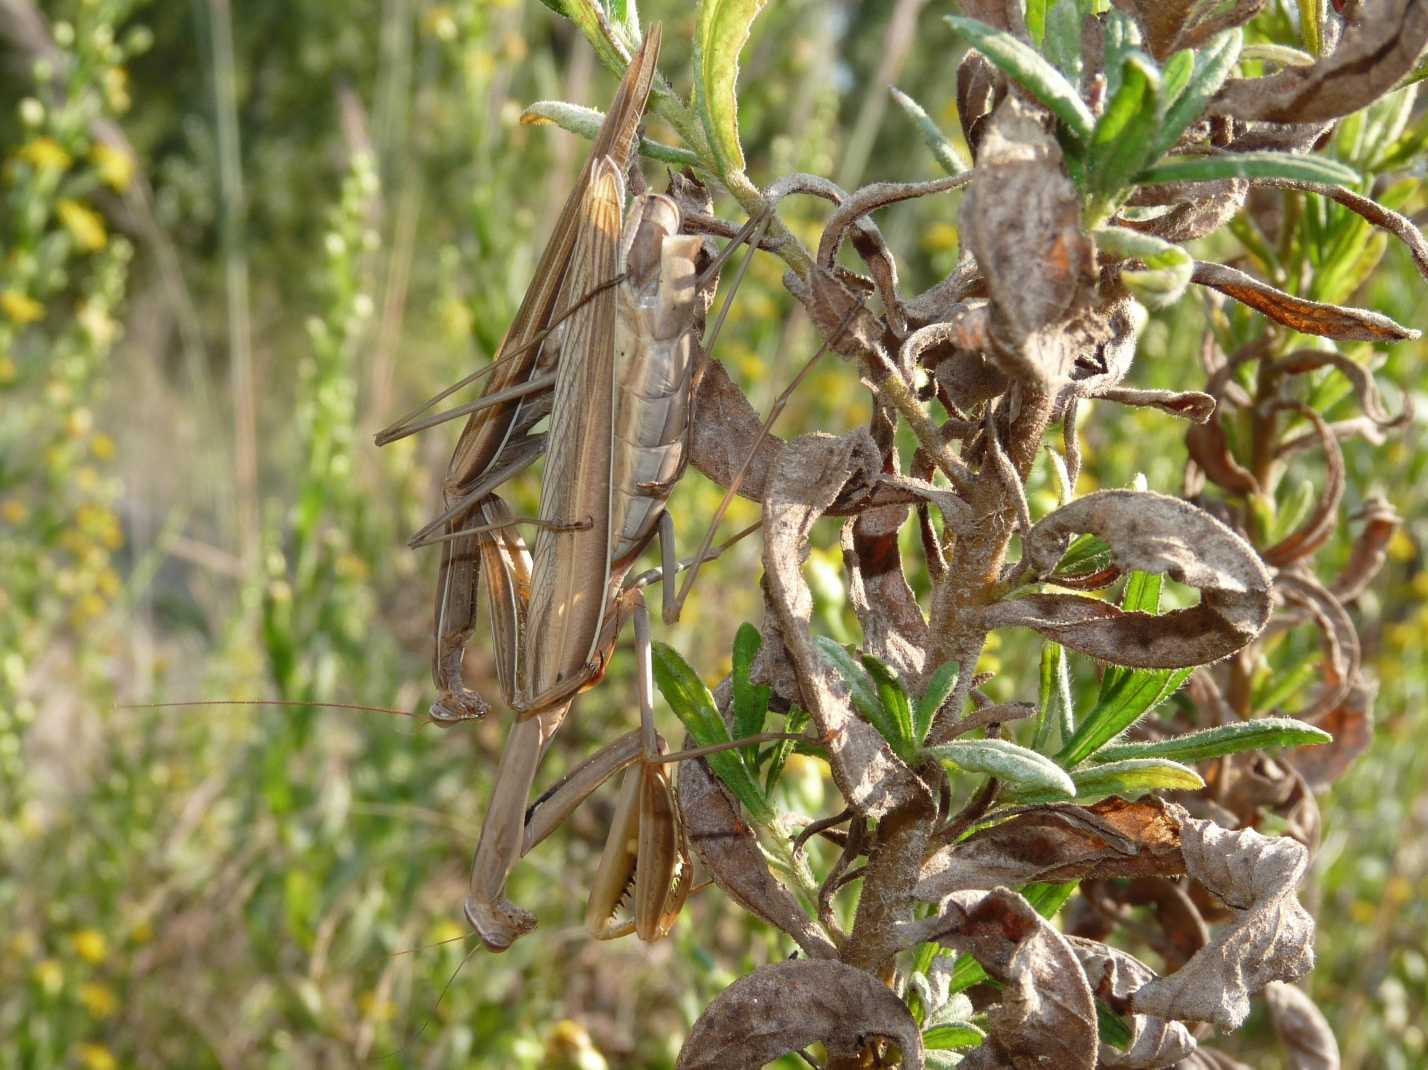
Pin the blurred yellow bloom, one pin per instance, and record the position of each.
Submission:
(114, 165)
(46, 154)
(102, 446)
(1363, 911)
(90, 945)
(515, 47)
(108, 582)
(940, 238)
(8, 370)
(89, 607)
(96, 1057)
(350, 566)
(79, 422)
(49, 974)
(23, 945)
(445, 930)
(569, 1047)
(439, 23)
(86, 479)
(1401, 546)
(1398, 890)
(85, 225)
(989, 663)
(375, 1008)
(14, 511)
(98, 999)
(116, 88)
(21, 309)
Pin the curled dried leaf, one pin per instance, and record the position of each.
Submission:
(1114, 976)
(1176, 24)
(1376, 51)
(1342, 649)
(1307, 317)
(1395, 223)
(1270, 936)
(1147, 532)
(1303, 361)
(804, 482)
(1114, 838)
(787, 1006)
(1324, 517)
(730, 852)
(1351, 725)
(892, 622)
(1046, 1015)
(1370, 549)
(1302, 1028)
(1191, 405)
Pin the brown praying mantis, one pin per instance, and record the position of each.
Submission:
(613, 371)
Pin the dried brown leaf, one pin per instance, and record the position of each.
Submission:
(804, 482)
(1351, 725)
(1114, 838)
(1151, 533)
(1302, 361)
(1046, 1016)
(1370, 549)
(1114, 976)
(1324, 517)
(1342, 649)
(892, 623)
(1302, 1028)
(730, 852)
(1269, 938)
(787, 1006)
(1397, 224)
(1308, 317)
(1191, 405)
(1174, 24)
(1376, 51)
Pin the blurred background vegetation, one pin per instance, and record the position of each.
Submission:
(235, 241)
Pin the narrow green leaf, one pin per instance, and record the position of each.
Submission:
(1224, 739)
(720, 33)
(751, 700)
(693, 704)
(1016, 765)
(1121, 36)
(1313, 14)
(1279, 55)
(1175, 79)
(939, 688)
(1213, 64)
(952, 1035)
(1036, 21)
(1168, 267)
(1057, 706)
(1087, 553)
(1135, 693)
(1248, 165)
(895, 702)
(1025, 66)
(1140, 595)
(778, 753)
(1063, 39)
(1284, 684)
(586, 123)
(1111, 1028)
(1123, 140)
(1134, 776)
(947, 155)
(860, 686)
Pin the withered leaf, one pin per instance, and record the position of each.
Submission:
(1174, 24)
(1270, 936)
(1342, 649)
(1113, 838)
(1046, 1015)
(1370, 550)
(1192, 405)
(1323, 518)
(804, 482)
(1114, 976)
(1302, 1028)
(1308, 317)
(1351, 725)
(1376, 51)
(1209, 1059)
(1022, 220)
(1151, 533)
(892, 622)
(730, 852)
(1303, 361)
(787, 1006)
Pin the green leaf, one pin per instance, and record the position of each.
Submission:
(947, 155)
(720, 33)
(1313, 14)
(1057, 705)
(586, 123)
(1141, 594)
(1134, 776)
(1168, 267)
(751, 701)
(1121, 37)
(1213, 64)
(778, 753)
(893, 697)
(695, 707)
(1279, 55)
(1016, 765)
(1124, 137)
(939, 688)
(952, 1035)
(1135, 693)
(1026, 67)
(860, 685)
(1087, 553)
(1175, 79)
(1249, 165)
(1111, 1028)
(1284, 684)
(1224, 739)
(1063, 39)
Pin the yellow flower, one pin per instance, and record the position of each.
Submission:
(375, 1008)
(439, 23)
(90, 945)
(79, 422)
(46, 154)
(445, 930)
(99, 1000)
(14, 511)
(85, 225)
(116, 88)
(114, 165)
(96, 1057)
(940, 238)
(1401, 547)
(50, 976)
(102, 446)
(21, 308)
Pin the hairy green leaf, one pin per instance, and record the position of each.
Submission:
(1224, 739)
(860, 685)
(952, 1035)
(586, 123)
(1168, 267)
(1213, 64)
(1248, 165)
(1124, 136)
(1025, 66)
(1016, 765)
(751, 700)
(939, 688)
(721, 31)
(1135, 693)
(895, 702)
(947, 155)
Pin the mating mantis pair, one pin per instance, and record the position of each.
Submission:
(604, 346)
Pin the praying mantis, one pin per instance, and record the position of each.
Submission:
(604, 345)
